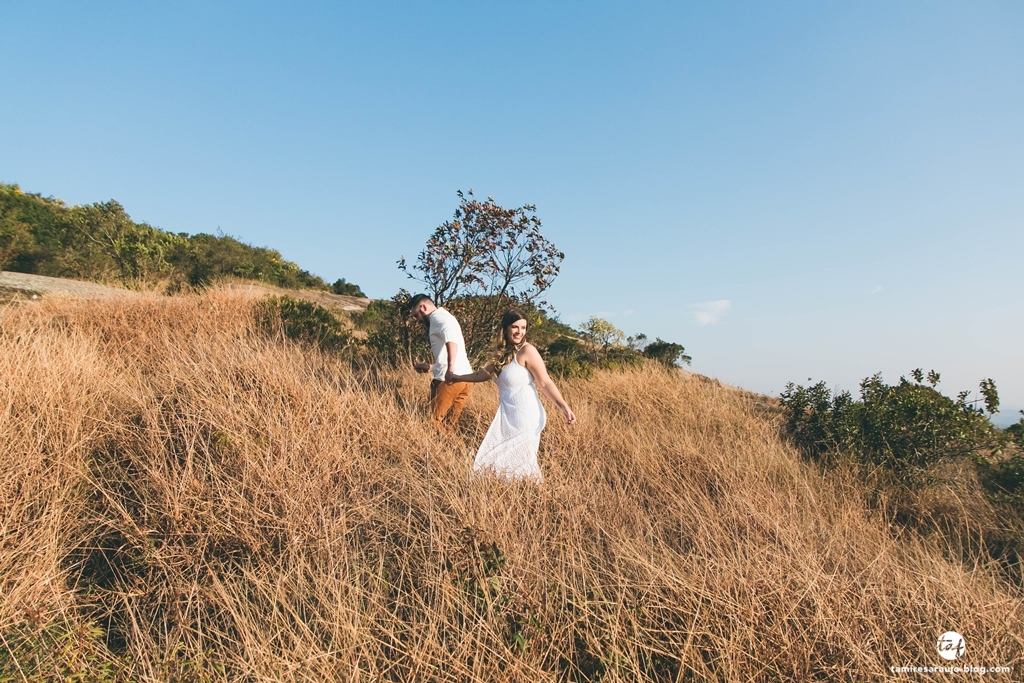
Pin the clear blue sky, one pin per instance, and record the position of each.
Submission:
(791, 190)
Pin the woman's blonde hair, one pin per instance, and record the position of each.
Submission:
(507, 349)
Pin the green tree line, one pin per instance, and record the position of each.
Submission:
(44, 236)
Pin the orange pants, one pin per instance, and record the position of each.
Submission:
(447, 401)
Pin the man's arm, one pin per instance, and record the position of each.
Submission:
(478, 376)
(452, 348)
(424, 368)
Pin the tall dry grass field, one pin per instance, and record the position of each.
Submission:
(187, 498)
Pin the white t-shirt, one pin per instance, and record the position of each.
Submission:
(445, 328)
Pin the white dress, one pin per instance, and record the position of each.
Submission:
(510, 447)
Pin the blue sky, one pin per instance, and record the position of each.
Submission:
(790, 190)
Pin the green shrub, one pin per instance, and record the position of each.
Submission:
(15, 236)
(97, 241)
(818, 423)
(1002, 469)
(619, 358)
(602, 333)
(392, 336)
(1016, 431)
(569, 357)
(908, 425)
(304, 321)
(100, 241)
(1005, 477)
(203, 259)
(931, 463)
(667, 353)
(59, 650)
(347, 288)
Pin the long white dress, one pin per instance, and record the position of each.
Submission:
(510, 447)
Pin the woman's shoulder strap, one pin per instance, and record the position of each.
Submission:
(527, 346)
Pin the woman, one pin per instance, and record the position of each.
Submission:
(510, 446)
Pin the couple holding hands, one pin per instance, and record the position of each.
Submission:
(509, 448)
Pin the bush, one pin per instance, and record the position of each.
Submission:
(568, 357)
(392, 336)
(602, 333)
(203, 259)
(59, 650)
(347, 288)
(619, 358)
(15, 237)
(1005, 477)
(571, 357)
(306, 322)
(931, 463)
(101, 242)
(667, 353)
(1016, 431)
(97, 242)
(818, 423)
(904, 426)
(1002, 471)
(610, 353)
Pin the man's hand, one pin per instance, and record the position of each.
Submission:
(449, 377)
(421, 367)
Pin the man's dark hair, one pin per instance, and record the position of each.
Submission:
(417, 300)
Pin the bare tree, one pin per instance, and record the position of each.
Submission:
(483, 260)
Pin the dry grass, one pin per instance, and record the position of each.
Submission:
(223, 506)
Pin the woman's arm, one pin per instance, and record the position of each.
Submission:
(530, 359)
(478, 376)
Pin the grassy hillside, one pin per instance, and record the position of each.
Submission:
(187, 498)
(44, 236)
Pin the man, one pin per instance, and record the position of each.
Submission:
(447, 398)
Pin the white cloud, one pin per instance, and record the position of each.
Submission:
(710, 312)
(876, 290)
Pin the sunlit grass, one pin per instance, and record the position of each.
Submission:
(185, 498)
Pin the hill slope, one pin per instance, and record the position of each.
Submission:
(24, 285)
(100, 242)
(188, 498)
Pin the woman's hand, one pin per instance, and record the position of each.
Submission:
(570, 417)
